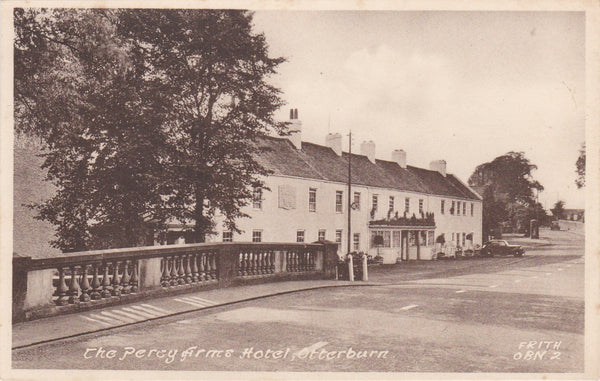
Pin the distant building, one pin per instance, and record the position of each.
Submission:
(574, 215)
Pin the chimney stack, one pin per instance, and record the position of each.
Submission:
(295, 128)
(438, 165)
(334, 141)
(399, 156)
(367, 148)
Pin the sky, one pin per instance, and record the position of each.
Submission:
(465, 87)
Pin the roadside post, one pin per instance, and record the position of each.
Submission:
(350, 268)
(365, 275)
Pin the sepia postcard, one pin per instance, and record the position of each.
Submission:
(300, 190)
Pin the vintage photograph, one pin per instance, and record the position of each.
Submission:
(298, 190)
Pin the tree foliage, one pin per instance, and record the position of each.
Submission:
(145, 115)
(509, 192)
(558, 211)
(580, 168)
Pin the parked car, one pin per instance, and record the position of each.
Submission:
(501, 247)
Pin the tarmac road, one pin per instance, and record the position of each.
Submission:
(477, 315)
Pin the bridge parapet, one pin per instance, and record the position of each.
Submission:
(80, 281)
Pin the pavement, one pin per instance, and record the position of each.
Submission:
(53, 328)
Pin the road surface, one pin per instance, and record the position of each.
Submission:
(473, 315)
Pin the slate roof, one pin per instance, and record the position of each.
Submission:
(318, 162)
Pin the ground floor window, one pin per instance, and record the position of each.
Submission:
(256, 235)
(321, 236)
(430, 237)
(385, 234)
(338, 236)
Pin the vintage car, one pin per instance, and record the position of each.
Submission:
(501, 247)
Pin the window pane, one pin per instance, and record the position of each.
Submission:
(339, 196)
(312, 200)
(396, 238)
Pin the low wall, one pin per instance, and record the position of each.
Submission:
(81, 281)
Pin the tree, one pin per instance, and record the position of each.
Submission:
(509, 191)
(80, 87)
(558, 211)
(580, 168)
(214, 70)
(142, 113)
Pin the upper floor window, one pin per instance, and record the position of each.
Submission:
(464, 208)
(227, 236)
(257, 198)
(256, 235)
(339, 200)
(321, 236)
(312, 200)
(452, 208)
(356, 202)
(300, 236)
(442, 205)
(391, 206)
(420, 206)
(407, 205)
(472, 209)
(375, 201)
(458, 208)
(356, 241)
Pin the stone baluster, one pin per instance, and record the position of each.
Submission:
(213, 265)
(85, 285)
(165, 277)
(312, 261)
(265, 266)
(180, 270)
(245, 266)
(202, 267)
(125, 286)
(259, 260)
(207, 264)
(96, 285)
(268, 262)
(295, 261)
(288, 264)
(188, 268)
(173, 267)
(253, 263)
(272, 261)
(195, 275)
(74, 286)
(256, 262)
(116, 282)
(62, 289)
(240, 264)
(106, 287)
(134, 281)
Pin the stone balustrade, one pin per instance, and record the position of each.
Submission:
(79, 281)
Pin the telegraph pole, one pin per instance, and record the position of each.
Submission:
(349, 192)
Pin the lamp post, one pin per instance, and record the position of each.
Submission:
(349, 191)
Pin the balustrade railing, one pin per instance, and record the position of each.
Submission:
(88, 278)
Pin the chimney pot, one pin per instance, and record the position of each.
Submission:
(295, 129)
(368, 149)
(438, 165)
(399, 156)
(334, 141)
